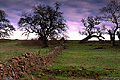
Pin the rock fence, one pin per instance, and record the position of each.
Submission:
(21, 66)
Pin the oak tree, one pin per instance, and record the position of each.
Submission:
(111, 13)
(45, 21)
(92, 28)
(5, 27)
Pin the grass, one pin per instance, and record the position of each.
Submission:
(105, 60)
(87, 56)
(83, 54)
(12, 48)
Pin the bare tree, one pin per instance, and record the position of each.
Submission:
(5, 27)
(46, 21)
(92, 28)
(112, 14)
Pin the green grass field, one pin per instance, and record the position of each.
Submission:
(12, 48)
(78, 61)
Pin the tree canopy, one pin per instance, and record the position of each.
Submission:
(5, 27)
(45, 21)
(112, 14)
(92, 28)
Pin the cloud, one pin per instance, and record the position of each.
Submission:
(74, 26)
(75, 36)
(13, 16)
(73, 14)
(91, 7)
(14, 8)
(73, 10)
(18, 35)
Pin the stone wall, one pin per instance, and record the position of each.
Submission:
(21, 66)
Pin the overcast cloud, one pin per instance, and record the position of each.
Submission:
(74, 10)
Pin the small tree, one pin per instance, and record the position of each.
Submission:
(47, 22)
(112, 14)
(91, 28)
(5, 27)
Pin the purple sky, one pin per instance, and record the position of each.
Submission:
(74, 11)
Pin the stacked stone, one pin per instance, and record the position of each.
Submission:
(21, 66)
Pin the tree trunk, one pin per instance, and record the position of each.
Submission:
(44, 41)
(112, 41)
(90, 36)
(112, 38)
(86, 39)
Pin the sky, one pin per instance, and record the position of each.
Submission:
(73, 12)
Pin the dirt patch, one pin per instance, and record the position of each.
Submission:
(99, 48)
(73, 72)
